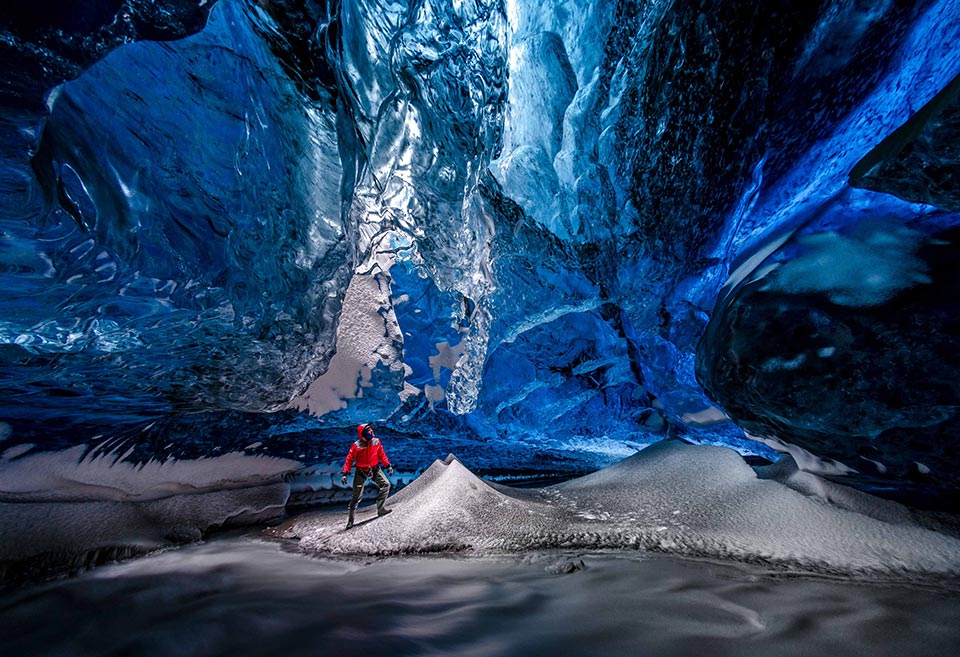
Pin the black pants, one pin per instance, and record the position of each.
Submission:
(360, 478)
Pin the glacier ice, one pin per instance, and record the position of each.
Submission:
(548, 232)
(170, 271)
(69, 509)
(43, 45)
(916, 162)
(845, 342)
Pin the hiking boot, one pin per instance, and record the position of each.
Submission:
(349, 522)
(383, 512)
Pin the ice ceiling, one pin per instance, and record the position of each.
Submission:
(539, 233)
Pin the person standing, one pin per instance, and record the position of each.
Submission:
(367, 452)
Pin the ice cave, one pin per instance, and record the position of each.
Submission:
(652, 304)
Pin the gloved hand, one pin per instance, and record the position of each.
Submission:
(343, 480)
(390, 470)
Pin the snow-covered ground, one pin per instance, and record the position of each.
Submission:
(60, 510)
(587, 567)
(670, 497)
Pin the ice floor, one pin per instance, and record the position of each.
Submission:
(599, 565)
(243, 596)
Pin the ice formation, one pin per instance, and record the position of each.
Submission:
(69, 509)
(542, 233)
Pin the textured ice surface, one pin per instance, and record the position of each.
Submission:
(367, 319)
(865, 268)
(917, 161)
(242, 597)
(846, 345)
(43, 45)
(670, 497)
(77, 474)
(60, 510)
(530, 206)
(189, 250)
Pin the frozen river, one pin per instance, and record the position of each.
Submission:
(243, 595)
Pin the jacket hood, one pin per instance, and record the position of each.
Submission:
(360, 428)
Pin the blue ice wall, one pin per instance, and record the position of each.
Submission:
(555, 216)
(188, 253)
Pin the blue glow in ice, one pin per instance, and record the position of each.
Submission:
(510, 221)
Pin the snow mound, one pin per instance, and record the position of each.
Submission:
(670, 497)
(447, 508)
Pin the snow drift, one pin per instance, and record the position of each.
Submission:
(670, 497)
(60, 511)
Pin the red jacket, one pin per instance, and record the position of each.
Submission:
(366, 455)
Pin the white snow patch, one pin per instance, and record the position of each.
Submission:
(368, 335)
(433, 394)
(447, 356)
(881, 468)
(604, 446)
(806, 461)
(15, 451)
(709, 415)
(67, 475)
